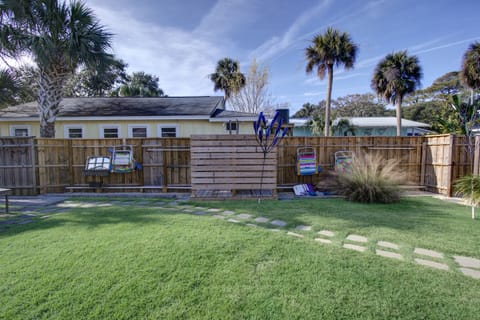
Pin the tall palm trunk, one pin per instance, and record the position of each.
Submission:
(398, 107)
(329, 97)
(50, 86)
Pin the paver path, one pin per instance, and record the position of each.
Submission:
(44, 207)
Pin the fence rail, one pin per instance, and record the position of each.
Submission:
(30, 165)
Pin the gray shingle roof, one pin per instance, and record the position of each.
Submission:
(124, 107)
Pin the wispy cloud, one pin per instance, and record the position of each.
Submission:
(446, 45)
(277, 44)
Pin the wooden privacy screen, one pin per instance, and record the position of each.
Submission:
(230, 163)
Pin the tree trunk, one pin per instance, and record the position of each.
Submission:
(49, 98)
(329, 97)
(398, 106)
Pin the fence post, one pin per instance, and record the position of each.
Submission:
(423, 164)
(476, 157)
(450, 165)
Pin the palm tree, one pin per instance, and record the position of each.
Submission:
(396, 76)
(328, 50)
(9, 88)
(59, 38)
(470, 73)
(227, 77)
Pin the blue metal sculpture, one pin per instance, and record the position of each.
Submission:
(268, 136)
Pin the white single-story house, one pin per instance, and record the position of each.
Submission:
(128, 117)
(364, 126)
(378, 126)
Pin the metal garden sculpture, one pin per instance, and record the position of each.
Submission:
(268, 136)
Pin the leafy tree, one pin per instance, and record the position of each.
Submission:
(328, 50)
(59, 38)
(470, 74)
(254, 96)
(97, 82)
(227, 77)
(396, 76)
(306, 111)
(357, 105)
(141, 84)
(27, 77)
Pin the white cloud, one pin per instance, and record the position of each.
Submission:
(181, 60)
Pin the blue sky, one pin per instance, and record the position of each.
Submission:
(180, 41)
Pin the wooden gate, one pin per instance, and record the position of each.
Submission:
(231, 165)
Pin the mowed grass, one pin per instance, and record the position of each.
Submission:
(149, 263)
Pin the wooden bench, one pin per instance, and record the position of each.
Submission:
(5, 192)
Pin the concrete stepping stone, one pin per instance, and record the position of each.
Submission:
(432, 264)
(326, 233)
(388, 254)
(279, 223)
(274, 230)
(321, 240)
(389, 245)
(303, 228)
(188, 210)
(354, 247)
(233, 220)
(25, 221)
(467, 262)
(218, 216)
(228, 212)
(295, 234)
(200, 213)
(429, 253)
(262, 219)
(252, 225)
(357, 238)
(243, 216)
(214, 210)
(470, 272)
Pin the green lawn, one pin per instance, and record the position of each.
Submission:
(141, 262)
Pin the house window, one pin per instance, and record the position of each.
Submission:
(109, 131)
(73, 132)
(167, 131)
(232, 126)
(138, 131)
(20, 131)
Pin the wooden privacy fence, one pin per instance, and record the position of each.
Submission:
(17, 165)
(29, 165)
(165, 163)
(223, 165)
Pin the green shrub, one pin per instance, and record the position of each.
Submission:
(372, 179)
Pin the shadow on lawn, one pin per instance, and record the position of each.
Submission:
(90, 218)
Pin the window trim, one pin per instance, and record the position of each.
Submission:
(133, 126)
(165, 126)
(102, 128)
(67, 127)
(13, 127)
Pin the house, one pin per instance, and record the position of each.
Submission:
(377, 126)
(363, 126)
(128, 117)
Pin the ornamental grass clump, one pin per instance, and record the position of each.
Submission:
(371, 179)
(468, 187)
